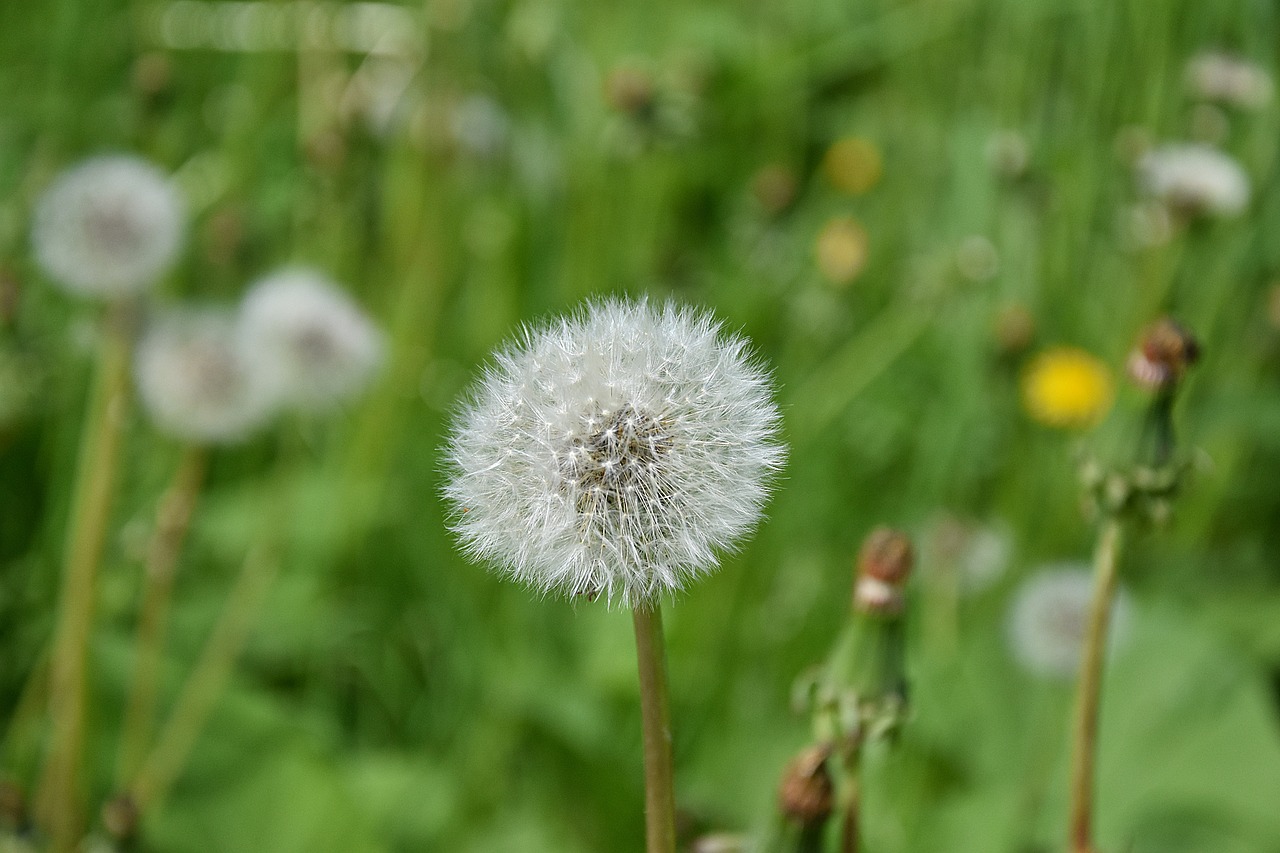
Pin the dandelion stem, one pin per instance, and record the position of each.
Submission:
(1085, 736)
(660, 807)
(206, 681)
(850, 800)
(58, 799)
(173, 517)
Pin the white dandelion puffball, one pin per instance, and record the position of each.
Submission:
(321, 348)
(613, 452)
(1228, 79)
(1049, 618)
(197, 380)
(1195, 179)
(108, 227)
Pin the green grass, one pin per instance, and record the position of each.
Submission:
(396, 697)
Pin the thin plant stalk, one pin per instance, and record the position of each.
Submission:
(655, 711)
(851, 801)
(173, 518)
(1085, 734)
(206, 682)
(58, 796)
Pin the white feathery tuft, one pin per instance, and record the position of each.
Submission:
(1194, 178)
(195, 380)
(614, 452)
(320, 346)
(108, 227)
(1049, 619)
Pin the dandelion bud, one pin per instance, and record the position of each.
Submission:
(1162, 355)
(614, 452)
(120, 817)
(198, 381)
(108, 227)
(884, 564)
(806, 794)
(318, 344)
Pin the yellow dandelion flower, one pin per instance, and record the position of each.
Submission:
(842, 249)
(1067, 387)
(853, 165)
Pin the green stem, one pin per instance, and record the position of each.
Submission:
(659, 788)
(206, 681)
(173, 518)
(1085, 736)
(850, 801)
(59, 798)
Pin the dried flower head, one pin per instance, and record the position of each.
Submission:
(1162, 355)
(1229, 80)
(1049, 619)
(198, 381)
(1066, 387)
(614, 451)
(1195, 180)
(321, 348)
(108, 227)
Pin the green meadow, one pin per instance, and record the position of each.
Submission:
(465, 167)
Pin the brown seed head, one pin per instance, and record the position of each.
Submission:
(806, 793)
(884, 564)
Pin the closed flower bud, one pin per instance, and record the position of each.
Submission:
(1162, 355)
(884, 564)
(806, 794)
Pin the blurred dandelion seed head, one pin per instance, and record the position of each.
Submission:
(1227, 79)
(1194, 179)
(614, 452)
(319, 346)
(1048, 620)
(108, 227)
(1067, 387)
(197, 381)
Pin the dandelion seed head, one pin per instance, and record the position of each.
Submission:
(1229, 79)
(321, 348)
(108, 227)
(614, 452)
(1049, 619)
(197, 381)
(1195, 179)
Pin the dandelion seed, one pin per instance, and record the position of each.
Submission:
(108, 227)
(614, 452)
(1067, 387)
(1194, 179)
(198, 382)
(1049, 619)
(319, 345)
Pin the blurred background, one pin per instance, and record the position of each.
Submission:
(941, 221)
